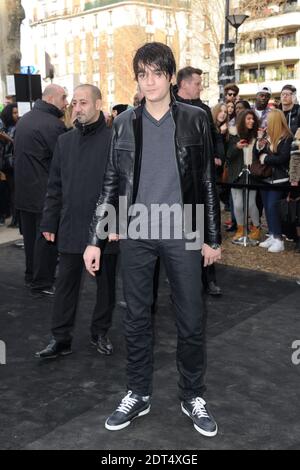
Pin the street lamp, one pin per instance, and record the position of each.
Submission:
(236, 21)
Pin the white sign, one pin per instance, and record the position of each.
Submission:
(10, 83)
(23, 108)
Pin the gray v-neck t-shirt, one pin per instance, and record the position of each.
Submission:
(159, 178)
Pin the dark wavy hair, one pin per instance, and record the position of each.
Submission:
(7, 115)
(242, 130)
(154, 54)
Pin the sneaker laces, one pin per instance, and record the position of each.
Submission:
(127, 404)
(199, 408)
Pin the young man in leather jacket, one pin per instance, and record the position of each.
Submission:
(161, 153)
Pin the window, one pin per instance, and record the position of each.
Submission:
(285, 72)
(54, 50)
(290, 69)
(110, 18)
(189, 21)
(257, 74)
(149, 16)
(206, 80)
(205, 23)
(188, 45)
(82, 68)
(260, 44)
(83, 46)
(96, 66)
(111, 85)
(96, 43)
(168, 20)
(53, 29)
(206, 51)
(286, 40)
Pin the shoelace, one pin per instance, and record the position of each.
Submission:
(199, 408)
(127, 403)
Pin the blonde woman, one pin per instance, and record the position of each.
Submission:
(275, 152)
(220, 118)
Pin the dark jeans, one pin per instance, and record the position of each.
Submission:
(67, 295)
(271, 205)
(183, 269)
(41, 256)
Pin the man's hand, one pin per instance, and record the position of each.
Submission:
(91, 258)
(210, 255)
(113, 237)
(218, 162)
(50, 237)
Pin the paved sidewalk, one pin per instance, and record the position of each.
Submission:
(253, 385)
(9, 235)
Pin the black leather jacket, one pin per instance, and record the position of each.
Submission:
(194, 159)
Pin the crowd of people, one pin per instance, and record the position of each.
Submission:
(62, 160)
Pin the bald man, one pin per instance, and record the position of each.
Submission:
(36, 136)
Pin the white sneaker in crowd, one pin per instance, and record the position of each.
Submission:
(267, 243)
(277, 246)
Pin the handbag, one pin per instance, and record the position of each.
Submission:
(260, 170)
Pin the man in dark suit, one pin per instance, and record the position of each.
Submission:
(35, 138)
(74, 186)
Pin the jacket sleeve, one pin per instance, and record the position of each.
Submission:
(108, 196)
(53, 201)
(233, 153)
(212, 225)
(282, 157)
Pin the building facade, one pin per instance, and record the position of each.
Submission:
(268, 51)
(94, 41)
(11, 17)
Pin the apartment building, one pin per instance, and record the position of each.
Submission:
(268, 50)
(94, 41)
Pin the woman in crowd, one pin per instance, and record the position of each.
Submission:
(274, 151)
(9, 117)
(295, 180)
(239, 157)
(220, 118)
(240, 106)
(231, 114)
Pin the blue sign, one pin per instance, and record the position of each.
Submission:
(31, 69)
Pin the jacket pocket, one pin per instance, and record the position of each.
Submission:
(125, 156)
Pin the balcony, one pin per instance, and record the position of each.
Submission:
(269, 56)
(248, 90)
(287, 19)
(185, 4)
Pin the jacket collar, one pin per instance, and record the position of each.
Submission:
(91, 128)
(49, 108)
(139, 109)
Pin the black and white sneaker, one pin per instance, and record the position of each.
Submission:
(203, 421)
(132, 406)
